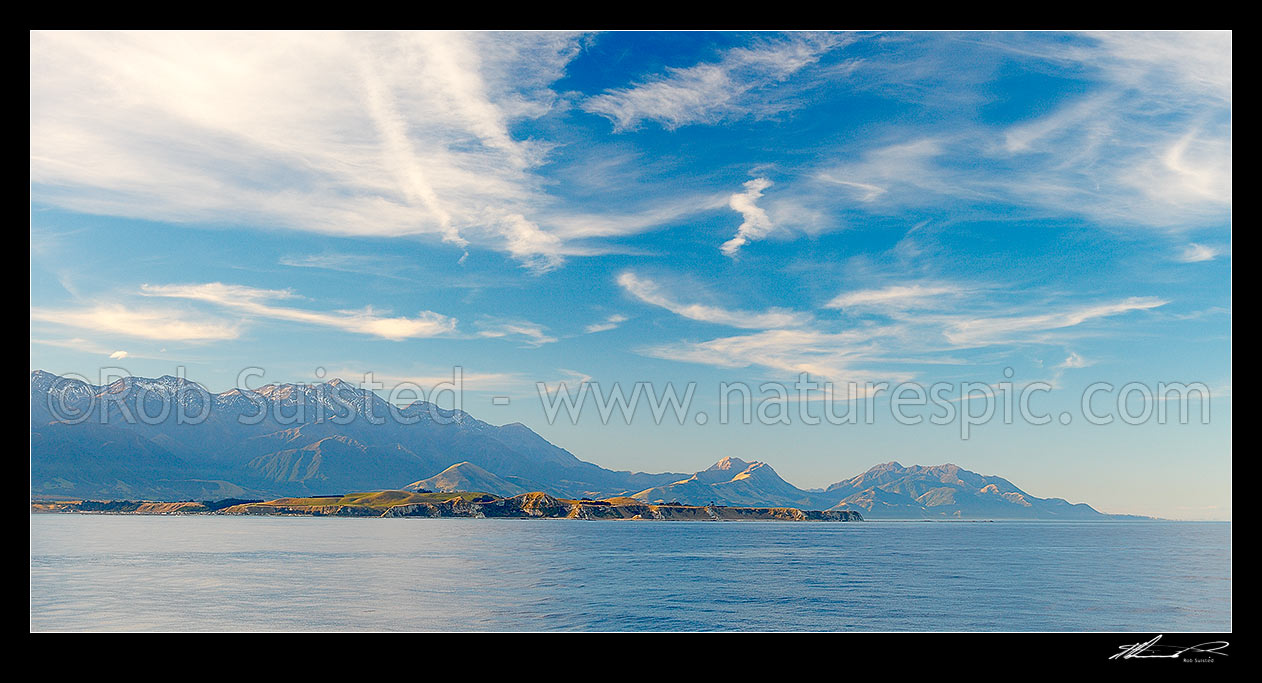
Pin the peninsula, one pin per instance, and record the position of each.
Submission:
(535, 504)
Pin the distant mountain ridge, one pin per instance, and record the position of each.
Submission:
(333, 438)
(283, 439)
(892, 490)
(885, 491)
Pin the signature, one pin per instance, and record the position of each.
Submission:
(1153, 650)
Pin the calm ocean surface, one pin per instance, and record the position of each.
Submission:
(106, 572)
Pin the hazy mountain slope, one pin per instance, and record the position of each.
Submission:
(101, 461)
(877, 503)
(465, 476)
(338, 462)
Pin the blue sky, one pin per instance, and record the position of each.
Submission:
(661, 207)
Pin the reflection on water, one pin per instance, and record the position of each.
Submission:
(257, 573)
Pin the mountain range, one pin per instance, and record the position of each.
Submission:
(130, 439)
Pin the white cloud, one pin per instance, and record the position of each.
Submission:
(610, 224)
(1184, 61)
(897, 297)
(1146, 144)
(901, 172)
(1186, 171)
(650, 292)
(845, 356)
(1001, 330)
(387, 266)
(710, 92)
(235, 296)
(756, 224)
(876, 353)
(1073, 361)
(1092, 161)
(537, 250)
(1026, 136)
(142, 323)
(1196, 253)
(921, 324)
(1151, 146)
(532, 333)
(357, 134)
(867, 191)
(86, 346)
(609, 323)
(258, 303)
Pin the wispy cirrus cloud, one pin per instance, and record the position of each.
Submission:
(710, 92)
(1172, 175)
(1007, 329)
(1197, 253)
(612, 322)
(898, 297)
(356, 263)
(379, 134)
(901, 172)
(261, 303)
(579, 225)
(164, 324)
(87, 346)
(531, 333)
(892, 351)
(890, 333)
(1144, 143)
(838, 356)
(1180, 61)
(652, 293)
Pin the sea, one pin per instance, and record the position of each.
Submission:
(223, 573)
